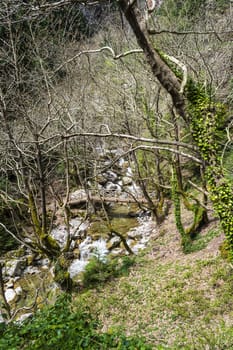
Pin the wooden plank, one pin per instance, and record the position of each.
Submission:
(98, 200)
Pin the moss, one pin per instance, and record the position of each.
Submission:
(62, 276)
(185, 238)
(206, 118)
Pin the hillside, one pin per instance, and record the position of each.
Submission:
(175, 300)
(116, 133)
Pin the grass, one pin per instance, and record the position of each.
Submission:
(201, 241)
(175, 302)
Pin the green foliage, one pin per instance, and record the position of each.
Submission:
(59, 327)
(98, 271)
(206, 117)
(62, 276)
(185, 238)
(200, 241)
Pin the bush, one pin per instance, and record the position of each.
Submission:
(59, 327)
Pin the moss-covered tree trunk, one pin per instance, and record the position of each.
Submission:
(202, 114)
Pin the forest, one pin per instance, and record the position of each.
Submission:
(116, 180)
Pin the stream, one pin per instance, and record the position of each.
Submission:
(24, 273)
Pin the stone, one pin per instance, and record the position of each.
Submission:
(44, 262)
(18, 290)
(114, 242)
(111, 188)
(15, 267)
(9, 284)
(110, 176)
(126, 181)
(31, 270)
(78, 194)
(30, 259)
(101, 180)
(10, 295)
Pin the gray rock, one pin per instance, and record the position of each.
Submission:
(18, 290)
(114, 242)
(110, 176)
(126, 181)
(15, 267)
(31, 270)
(112, 188)
(10, 295)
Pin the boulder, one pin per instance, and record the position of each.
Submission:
(111, 188)
(15, 267)
(10, 295)
(110, 176)
(19, 290)
(114, 242)
(126, 181)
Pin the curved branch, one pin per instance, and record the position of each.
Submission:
(104, 48)
(184, 69)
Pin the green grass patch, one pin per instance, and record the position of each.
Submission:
(200, 241)
(60, 327)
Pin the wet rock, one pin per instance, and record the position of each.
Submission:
(113, 243)
(78, 229)
(111, 188)
(110, 176)
(15, 267)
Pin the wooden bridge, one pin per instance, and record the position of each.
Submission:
(80, 202)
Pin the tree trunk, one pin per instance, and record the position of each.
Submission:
(204, 121)
(159, 67)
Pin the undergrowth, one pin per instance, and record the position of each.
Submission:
(60, 327)
(99, 271)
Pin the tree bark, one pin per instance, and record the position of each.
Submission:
(159, 67)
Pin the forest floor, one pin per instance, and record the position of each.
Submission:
(174, 300)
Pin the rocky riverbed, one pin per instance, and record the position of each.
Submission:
(26, 274)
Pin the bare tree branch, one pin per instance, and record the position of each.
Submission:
(131, 137)
(104, 48)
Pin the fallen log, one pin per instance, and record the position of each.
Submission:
(99, 200)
